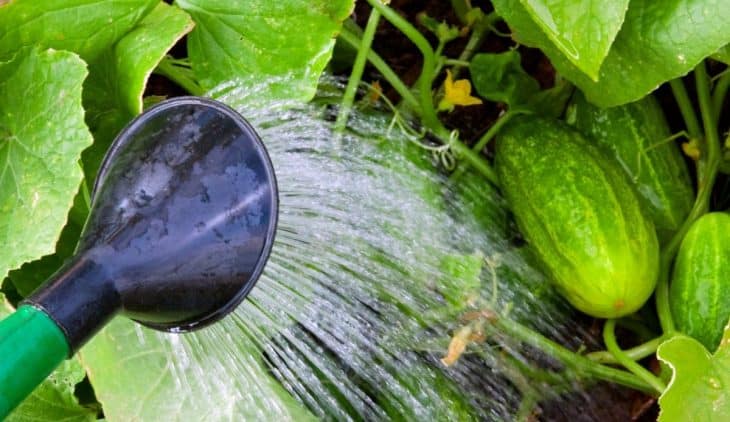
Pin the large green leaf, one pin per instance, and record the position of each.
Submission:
(284, 44)
(700, 386)
(32, 274)
(42, 134)
(87, 27)
(54, 399)
(582, 30)
(113, 91)
(112, 96)
(139, 374)
(658, 41)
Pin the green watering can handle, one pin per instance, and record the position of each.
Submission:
(31, 346)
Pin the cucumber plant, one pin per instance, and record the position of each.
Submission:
(620, 66)
(75, 71)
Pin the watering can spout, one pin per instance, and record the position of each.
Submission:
(182, 221)
(80, 298)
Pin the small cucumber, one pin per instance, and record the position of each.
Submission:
(580, 215)
(700, 291)
(637, 135)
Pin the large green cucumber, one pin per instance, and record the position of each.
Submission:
(700, 291)
(580, 215)
(637, 135)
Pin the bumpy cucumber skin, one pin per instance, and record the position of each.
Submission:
(580, 215)
(699, 295)
(637, 134)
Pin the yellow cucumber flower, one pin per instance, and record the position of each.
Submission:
(457, 93)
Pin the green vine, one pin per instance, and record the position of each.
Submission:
(639, 352)
(386, 71)
(423, 86)
(707, 169)
(570, 359)
(701, 128)
(609, 338)
(179, 72)
(719, 94)
(357, 69)
(685, 107)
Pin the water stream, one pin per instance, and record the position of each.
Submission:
(378, 260)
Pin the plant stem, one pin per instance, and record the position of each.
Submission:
(440, 60)
(385, 70)
(484, 140)
(706, 172)
(86, 192)
(428, 112)
(527, 408)
(461, 8)
(475, 161)
(609, 337)
(478, 34)
(180, 76)
(496, 127)
(718, 96)
(571, 359)
(535, 374)
(685, 107)
(712, 141)
(456, 62)
(635, 353)
(357, 69)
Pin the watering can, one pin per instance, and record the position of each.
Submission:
(182, 221)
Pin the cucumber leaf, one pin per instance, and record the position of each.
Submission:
(140, 374)
(42, 134)
(499, 77)
(112, 96)
(658, 41)
(54, 399)
(32, 274)
(552, 102)
(284, 44)
(113, 91)
(582, 31)
(86, 27)
(700, 386)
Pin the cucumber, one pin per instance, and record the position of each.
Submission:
(580, 215)
(637, 135)
(699, 295)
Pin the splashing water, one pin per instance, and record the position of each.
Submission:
(378, 261)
